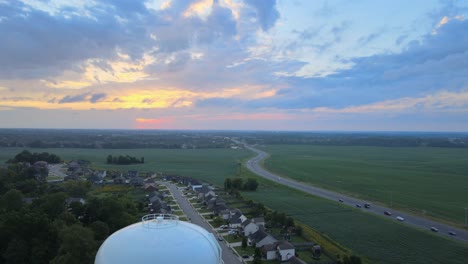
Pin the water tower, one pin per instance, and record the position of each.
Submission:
(160, 238)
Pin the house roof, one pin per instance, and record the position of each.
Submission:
(268, 247)
(246, 222)
(258, 236)
(204, 189)
(258, 220)
(284, 245)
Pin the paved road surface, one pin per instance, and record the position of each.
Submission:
(420, 222)
(229, 257)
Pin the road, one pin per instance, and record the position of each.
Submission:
(415, 221)
(229, 257)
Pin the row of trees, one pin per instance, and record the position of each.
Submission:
(27, 156)
(124, 160)
(238, 184)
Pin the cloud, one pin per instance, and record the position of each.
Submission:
(74, 99)
(97, 97)
(266, 12)
(153, 123)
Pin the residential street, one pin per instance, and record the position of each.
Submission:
(229, 257)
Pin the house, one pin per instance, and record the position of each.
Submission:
(70, 200)
(260, 238)
(285, 250)
(137, 181)
(97, 177)
(260, 221)
(120, 179)
(248, 227)
(132, 173)
(269, 251)
(236, 218)
(204, 191)
(151, 187)
(194, 184)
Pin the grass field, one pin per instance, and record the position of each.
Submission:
(211, 165)
(371, 236)
(430, 181)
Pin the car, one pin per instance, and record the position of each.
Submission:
(223, 227)
(358, 206)
(452, 233)
(399, 218)
(387, 213)
(340, 200)
(367, 205)
(245, 256)
(434, 229)
(232, 232)
(220, 239)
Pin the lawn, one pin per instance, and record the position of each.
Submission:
(429, 181)
(211, 165)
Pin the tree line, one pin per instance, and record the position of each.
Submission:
(27, 156)
(239, 185)
(124, 160)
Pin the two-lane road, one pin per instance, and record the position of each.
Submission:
(420, 222)
(229, 257)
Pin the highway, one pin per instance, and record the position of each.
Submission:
(415, 221)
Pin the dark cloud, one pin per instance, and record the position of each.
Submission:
(74, 98)
(267, 14)
(97, 97)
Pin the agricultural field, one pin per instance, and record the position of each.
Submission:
(211, 165)
(425, 181)
(368, 236)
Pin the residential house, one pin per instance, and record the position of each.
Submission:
(269, 251)
(260, 238)
(260, 221)
(285, 250)
(204, 191)
(248, 227)
(150, 187)
(194, 184)
(236, 218)
(132, 173)
(120, 179)
(137, 181)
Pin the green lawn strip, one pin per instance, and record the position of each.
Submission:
(408, 178)
(53, 177)
(245, 251)
(367, 235)
(232, 238)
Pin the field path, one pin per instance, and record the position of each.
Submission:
(254, 165)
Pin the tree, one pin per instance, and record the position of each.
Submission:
(100, 229)
(299, 230)
(109, 159)
(16, 252)
(251, 184)
(77, 246)
(289, 222)
(227, 184)
(12, 200)
(244, 242)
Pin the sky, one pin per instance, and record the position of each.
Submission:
(304, 65)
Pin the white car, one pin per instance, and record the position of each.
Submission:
(399, 218)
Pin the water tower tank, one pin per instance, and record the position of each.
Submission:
(160, 239)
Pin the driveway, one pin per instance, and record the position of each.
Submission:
(229, 257)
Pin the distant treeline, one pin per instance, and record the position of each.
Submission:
(110, 139)
(26, 156)
(238, 184)
(360, 140)
(124, 160)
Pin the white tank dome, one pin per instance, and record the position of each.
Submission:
(160, 239)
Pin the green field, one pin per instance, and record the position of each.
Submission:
(429, 181)
(211, 165)
(377, 238)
